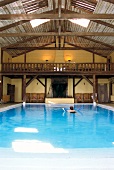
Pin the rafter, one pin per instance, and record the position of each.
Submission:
(19, 42)
(86, 5)
(110, 1)
(104, 23)
(57, 34)
(6, 2)
(29, 50)
(58, 48)
(13, 25)
(96, 21)
(93, 1)
(55, 16)
(96, 41)
(86, 49)
(55, 11)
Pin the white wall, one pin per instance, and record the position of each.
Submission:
(70, 87)
(6, 81)
(36, 87)
(83, 86)
(113, 89)
(18, 89)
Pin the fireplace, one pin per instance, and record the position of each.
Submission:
(59, 87)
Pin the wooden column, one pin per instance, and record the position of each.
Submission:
(94, 88)
(45, 87)
(110, 90)
(93, 57)
(1, 87)
(24, 88)
(73, 87)
(1, 77)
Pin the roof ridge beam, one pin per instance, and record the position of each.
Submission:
(57, 34)
(55, 16)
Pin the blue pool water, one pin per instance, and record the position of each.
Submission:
(91, 127)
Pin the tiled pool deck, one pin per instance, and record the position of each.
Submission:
(77, 159)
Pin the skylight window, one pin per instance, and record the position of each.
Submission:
(37, 22)
(81, 22)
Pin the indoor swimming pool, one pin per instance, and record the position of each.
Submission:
(40, 128)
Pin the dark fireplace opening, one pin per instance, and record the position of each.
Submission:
(59, 90)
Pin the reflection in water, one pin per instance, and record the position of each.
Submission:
(111, 116)
(51, 125)
(24, 129)
(1, 115)
(35, 146)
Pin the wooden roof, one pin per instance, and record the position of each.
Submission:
(17, 35)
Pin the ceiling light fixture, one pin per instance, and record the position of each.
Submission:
(81, 22)
(37, 22)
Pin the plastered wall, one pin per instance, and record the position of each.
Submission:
(6, 81)
(37, 87)
(83, 86)
(58, 56)
(6, 57)
(53, 56)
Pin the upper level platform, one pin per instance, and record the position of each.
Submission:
(57, 68)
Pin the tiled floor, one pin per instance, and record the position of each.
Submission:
(6, 104)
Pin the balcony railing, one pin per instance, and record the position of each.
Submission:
(57, 67)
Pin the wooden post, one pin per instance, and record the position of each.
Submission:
(1, 87)
(74, 87)
(93, 57)
(24, 88)
(94, 88)
(45, 87)
(110, 90)
(1, 77)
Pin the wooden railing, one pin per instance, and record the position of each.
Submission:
(57, 67)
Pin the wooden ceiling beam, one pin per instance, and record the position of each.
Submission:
(56, 34)
(24, 21)
(13, 25)
(110, 1)
(93, 1)
(57, 48)
(83, 48)
(96, 21)
(20, 22)
(54, 10)
(104, 23)
(59, 28)
(29, 50)
(96, 41)
(6, 2)
(55, 16)
(20, 42)
(54, 7)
